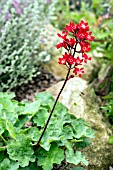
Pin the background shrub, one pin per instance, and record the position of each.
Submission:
(22, 26)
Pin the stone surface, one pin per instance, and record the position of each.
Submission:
(82, 101)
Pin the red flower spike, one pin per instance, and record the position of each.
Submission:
(85, 57)
(83, 25)
(80, 36)
(78, 71)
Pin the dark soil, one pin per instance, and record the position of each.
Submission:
(37, 84)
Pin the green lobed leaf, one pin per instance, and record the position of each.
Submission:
(7, 109)
(33, 133)
(7, 95)
(33, 166)
(21, 151)
(56, 132)
(31, 109)
(75, 158)
(81, 128)
(45, 98)
(48, 138)
(41, 117)
(7, 164)
(7, 104)
(47, 159)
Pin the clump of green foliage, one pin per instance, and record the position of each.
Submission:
(21, 38)
(21, 124)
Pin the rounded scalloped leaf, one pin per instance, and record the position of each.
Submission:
(41, 117)
(45, 98)
(75, 158)
(47, 159)
(7, 164)
(21, 151)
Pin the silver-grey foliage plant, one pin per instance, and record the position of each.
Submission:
(22, 26)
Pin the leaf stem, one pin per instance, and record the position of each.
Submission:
(38, 143)
(3, 138)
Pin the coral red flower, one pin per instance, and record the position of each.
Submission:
(70, 60)
(85, 57)
(85, 46)
(78, 71)
(64, 34)
(81, 34)
(83, 25)
(62, 61)
(71, 41)
(88, 36)
(62, 44)
(78, 61)
(59, 45)
(72, 27)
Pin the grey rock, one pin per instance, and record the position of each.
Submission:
(82, 101)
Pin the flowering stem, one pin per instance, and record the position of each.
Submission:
(38, 143)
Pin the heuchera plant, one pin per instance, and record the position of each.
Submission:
(80, 37)
(23, 124)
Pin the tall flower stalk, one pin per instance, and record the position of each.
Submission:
(73, 36)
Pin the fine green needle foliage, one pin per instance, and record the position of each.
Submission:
(21, 124)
